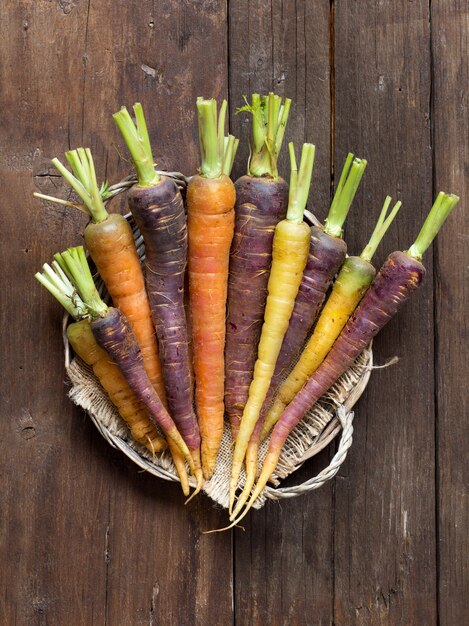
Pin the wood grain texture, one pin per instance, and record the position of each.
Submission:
(86, 538)
(284, 48)
(282, 561)
(90, 539)
(450, 30)
(385, 561)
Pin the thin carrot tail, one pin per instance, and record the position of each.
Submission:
(251, 472)
(199, 476)
(177, 439)
(270, 463)
(210, 446)
(238, 457)
(179, 462)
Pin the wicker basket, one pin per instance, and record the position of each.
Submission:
(323, 422)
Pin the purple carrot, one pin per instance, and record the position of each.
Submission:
(261, 202)
(158, 209)
(401, 274)
(114, 334)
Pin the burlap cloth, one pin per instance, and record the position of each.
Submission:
(319, 426)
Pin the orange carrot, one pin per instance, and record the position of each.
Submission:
(210, 209)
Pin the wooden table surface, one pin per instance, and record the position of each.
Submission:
(88, 539)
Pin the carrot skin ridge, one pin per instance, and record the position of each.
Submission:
(399, 276)
(114, 334)
(210, 207)
(112, 248)
(260, 204)
(131, 410)
(326, 255)
(159, 214)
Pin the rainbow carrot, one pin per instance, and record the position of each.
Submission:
(401, 274)
(111, 244)
(350, 286)
(261, 202)
(327, 253)
(114, 334)
(158, 209)
(84, 344)
(289, 255)
(210, 210)
(352, 282)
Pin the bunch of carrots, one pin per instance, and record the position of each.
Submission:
(241, 311)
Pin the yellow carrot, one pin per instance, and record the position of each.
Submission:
(352, 282)
(289, 255)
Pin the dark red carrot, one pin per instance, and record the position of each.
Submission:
(158, 209)
(327, 253)
(401, 274)
(114, 334)
(261, 202)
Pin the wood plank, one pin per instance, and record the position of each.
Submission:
(450, 40)
(90, 539)
(384, 550)
(282, 561)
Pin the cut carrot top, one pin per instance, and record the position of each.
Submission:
(300, 182)
(381, 228)
(440, 210)
(217, 152)
(345, 192)
(270, 118)
(138, 142)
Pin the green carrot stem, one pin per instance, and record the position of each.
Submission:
(56, 282)
(381, 228)
(138, 142)
(273, 109)
(211, 137)
(282, 124)
(231, 146)
(74, 263)
(300, 181)
(83, 181)
(344, 195)
(75, 205)
(258, 126)
(269, 119)
(442, 207)
(221, 128)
